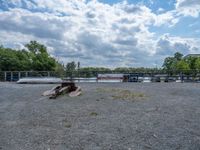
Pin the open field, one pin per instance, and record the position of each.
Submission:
(116, 116)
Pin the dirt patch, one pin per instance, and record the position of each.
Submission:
(121, 94)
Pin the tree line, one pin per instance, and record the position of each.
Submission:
(36, 58)
(180, 64)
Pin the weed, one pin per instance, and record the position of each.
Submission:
(67, 124)
(93, 114)
(122, 94)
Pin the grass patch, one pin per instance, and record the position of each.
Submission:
(93, 114)
(174, 93)
(127, 95)
(108, 90)
(67, 124)
(121, 94)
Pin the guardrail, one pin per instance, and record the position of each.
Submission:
(93, 76)
(16, 75)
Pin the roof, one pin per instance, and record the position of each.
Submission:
(192, 55)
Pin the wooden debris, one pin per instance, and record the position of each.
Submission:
(50, 92)
(64, 88)
(77, 92)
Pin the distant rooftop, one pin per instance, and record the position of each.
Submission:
(192, 55)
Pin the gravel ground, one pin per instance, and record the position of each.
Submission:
(163, 116)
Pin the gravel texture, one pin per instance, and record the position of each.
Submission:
(163, 116)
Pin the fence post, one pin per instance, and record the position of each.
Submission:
(5, 76)
(97, 77)
(48, 74)
(19, 75)
(11, 76)
(78, 75)
(181, 75)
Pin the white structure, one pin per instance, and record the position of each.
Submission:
(146, 79)
(43, 80)
(110, 77)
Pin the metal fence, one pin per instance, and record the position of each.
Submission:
(93, 76)
(16, 75)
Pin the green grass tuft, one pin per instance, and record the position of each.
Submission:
(93, 114)
(122, 94)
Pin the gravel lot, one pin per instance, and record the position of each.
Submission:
(162, 116)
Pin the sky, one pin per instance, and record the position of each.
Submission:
(104, 33)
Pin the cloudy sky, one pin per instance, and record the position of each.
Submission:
(109, 33)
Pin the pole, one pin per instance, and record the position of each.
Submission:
(5, 76)
(48, 74)
(19, 75)
(11, 76)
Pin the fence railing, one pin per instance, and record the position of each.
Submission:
(16, 75)
(94, 75)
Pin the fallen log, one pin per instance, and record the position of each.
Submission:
(50, 92)
(65, 88)
(60, 91)
(77, 92)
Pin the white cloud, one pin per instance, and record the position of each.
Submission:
(168, 45)
(94, 33)
(188, 7)
(160, 10)
(169, 18)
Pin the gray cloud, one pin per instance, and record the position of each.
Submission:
(126, 41)
(91, 32)
(28, 23)
(186, 3)
(90, 14)
(132, 9)
(188, 7)
(169, 45)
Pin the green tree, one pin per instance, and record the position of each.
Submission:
(36, 47)
(173, 64)
(182, 66)
(169, 63)
(40, 59)
(35, 58)
(70, 68)
(191, 61)
(9, 60)
(178, 56)
(59, 69)
(197, 64)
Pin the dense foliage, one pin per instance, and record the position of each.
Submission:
(34, 58)
(178, 63)
(93, 71)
